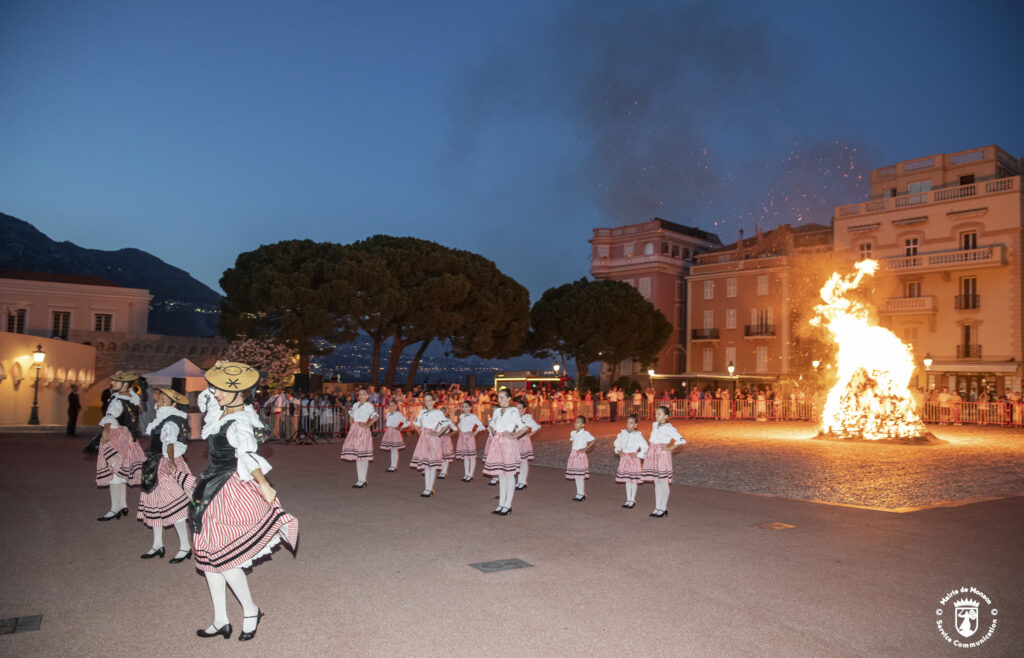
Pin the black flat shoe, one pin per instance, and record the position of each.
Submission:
(117, 515)
(426, 494)
(505, 511)
(359, 485)
(628, 504)
(176, 560)
(152, 554)
(246, 636)
(441, 476)
(579, 499)
(390, 470)
(224, 630)
(469, 479)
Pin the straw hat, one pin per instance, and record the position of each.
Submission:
(176, 397)
(232, 376)
(124, 376)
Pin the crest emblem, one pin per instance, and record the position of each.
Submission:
(966, 617)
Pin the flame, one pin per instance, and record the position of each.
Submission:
(871, 399)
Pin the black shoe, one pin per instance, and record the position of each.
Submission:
(505, 511)
(116, 515)
(427, 494)
(520, 487)
(224, 630)
(497, 510)
(359, 485)
(176, 560)
(579, 498)
(654, 513)
(152, 554)
(123, 512)
(628, 504)
(245, 636)
(469, 479)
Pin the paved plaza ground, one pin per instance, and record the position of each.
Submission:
(381, 571)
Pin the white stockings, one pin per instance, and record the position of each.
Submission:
(394, 458)
(362, 467)
(524, 470)
(661, 489)
(240, 586)
(630, 492)
(579, 485)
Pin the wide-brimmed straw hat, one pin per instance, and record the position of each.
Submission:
(124, 376)
(176, 397)
(232, 376)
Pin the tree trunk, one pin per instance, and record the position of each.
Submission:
(410, 380)
(304, 363)
(397, 347)
(582, 370)
(377, 341)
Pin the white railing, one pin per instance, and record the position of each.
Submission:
(934, 196)
(909, 304)
(918, 165)
(968, 157)
(993, 255)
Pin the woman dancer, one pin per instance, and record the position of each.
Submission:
(358, 446)
(392, 440)
(631, 448)
(578, 467)
(427, 456)
(502, 460)
(167, 481)
(525, 444)
(658, 465)
(469, 425)
(235, 515)
(115, 463)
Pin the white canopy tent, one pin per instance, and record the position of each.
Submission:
(184, 369)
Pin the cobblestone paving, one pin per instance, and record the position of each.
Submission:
(784, 459)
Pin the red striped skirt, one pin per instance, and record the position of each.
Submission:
(657, 465)
(525, 448)
(466, 447)
(358, 444)
(503, 455)
(392, 440)
(168, 502)
(578, 466)
(487, 445)
(239, 527)
(120, 457)
(447, 449)
(629, 469)
(428, 451)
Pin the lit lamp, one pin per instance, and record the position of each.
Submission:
(556, 369)
(732, 368)
(650, 372)
(928, 361)
(37, 357)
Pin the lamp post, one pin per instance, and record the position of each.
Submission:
(732, 368)
(928, 361)
(37, 357)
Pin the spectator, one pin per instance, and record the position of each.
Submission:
(74, 406)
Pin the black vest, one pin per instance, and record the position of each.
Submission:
(222, 464)
(129, 417)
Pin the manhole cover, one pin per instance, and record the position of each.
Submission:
(20, 624)
(500, 565)
(774, 525)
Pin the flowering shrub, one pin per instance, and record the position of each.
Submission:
(274, 360)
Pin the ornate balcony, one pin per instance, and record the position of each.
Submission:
(941, 195)
(759, 331)
(940, 261)
(704, 334)
(909, 305)
(968, 302)
(968, 351)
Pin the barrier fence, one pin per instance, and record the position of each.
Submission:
(328, 423)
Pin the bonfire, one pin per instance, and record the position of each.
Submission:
(871, 398)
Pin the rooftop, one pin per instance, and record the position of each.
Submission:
(656, 223)
(57, 278)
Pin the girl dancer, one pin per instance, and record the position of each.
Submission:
(578, 467)
(658, 465)
(392, 440)
(525, 444)
(447, 450)
(358, 446)
(502, 459)
(427, 456)
(469, 425)
(631, 448)
(234, 511)
(118, 447)
(167, 481)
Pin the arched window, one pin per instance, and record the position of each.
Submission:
(649, 249)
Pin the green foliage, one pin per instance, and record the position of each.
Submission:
(627, 385)
(590, 383)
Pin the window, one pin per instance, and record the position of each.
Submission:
(969, 240)
(910, 336)
(627, 250)
(679, 290)
(730, 318)
(730, 355)
(643, 284)
(16, 320)
(649, 249)
(626, 367)
(664, 249)
(60, 325)
(761, 317)
(762, 285)
(910, 247)
(967, 179)
(104, 321)
(968, 298)
(708, 359)
(675, 251)
(709, 319)
(919, 187)
(762, 359)
(865, 250)
(709, 290)
(730, 287)
(602, 251)
(912, 289)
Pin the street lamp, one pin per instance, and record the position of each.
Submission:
(650, 372)
(732, 368)
(556, 369)
(37, 357)
(928, 361)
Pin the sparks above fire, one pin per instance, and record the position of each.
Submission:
(871, 399)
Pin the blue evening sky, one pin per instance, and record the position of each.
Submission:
(199, 129)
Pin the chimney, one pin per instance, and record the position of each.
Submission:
(739, 247)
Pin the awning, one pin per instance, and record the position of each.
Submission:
(193, 375)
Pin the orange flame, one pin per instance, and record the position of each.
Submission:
(871, 399)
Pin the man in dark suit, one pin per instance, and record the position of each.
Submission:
(74, 406)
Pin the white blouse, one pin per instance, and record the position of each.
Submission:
(470, 423)
(396, 419)
(528, 421)
(432, 420)
(663, 434)
(505, 420)
(580, 439)
(362, 412)
(208, 406)
(114, 408)
(628, 441)
(169, 432)
(242, 439)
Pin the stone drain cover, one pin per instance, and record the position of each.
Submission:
(774, 525)
(20, 624)
(501, 565)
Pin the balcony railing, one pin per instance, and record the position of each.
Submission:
(968, 351)
(990, 256)
(759, 330)
(941, 195)
(597, 263)
(968, 302)
(704, 334)
(909, 305)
